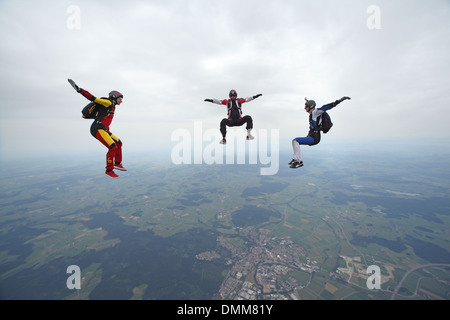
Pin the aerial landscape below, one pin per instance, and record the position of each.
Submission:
(165, 231)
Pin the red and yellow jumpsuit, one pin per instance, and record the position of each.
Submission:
(100, 129)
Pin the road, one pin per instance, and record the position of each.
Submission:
(415, 269)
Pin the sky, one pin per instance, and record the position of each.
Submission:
(166, 57)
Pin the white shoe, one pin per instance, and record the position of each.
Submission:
(250, 137)
(223, 141)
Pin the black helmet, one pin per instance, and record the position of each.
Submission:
(115, 95)
(233, 93)
(310, 103)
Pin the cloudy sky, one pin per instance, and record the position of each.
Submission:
(167, 56)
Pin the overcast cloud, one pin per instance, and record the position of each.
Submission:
(167, 56)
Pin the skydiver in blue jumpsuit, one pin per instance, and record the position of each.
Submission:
(313, 137)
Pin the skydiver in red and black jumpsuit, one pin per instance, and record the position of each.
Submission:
(235, 117)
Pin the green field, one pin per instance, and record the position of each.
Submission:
(131, 235)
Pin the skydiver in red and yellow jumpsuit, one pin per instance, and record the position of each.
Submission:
(100, 129)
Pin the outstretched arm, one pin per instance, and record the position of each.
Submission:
(251, 98)
(85, 93)
(343, 99)
(333, 104)
(104, 102)
(88, 95)
(217, 101)
(225, 102)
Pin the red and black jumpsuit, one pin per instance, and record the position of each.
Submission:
(234, 113)
(100, 129)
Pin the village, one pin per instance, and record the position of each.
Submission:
(263, 268)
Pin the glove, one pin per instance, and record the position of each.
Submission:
(257, 96)
(74, 85)
(345, 98)
(209, 100)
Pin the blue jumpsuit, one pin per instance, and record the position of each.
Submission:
(313, 137)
